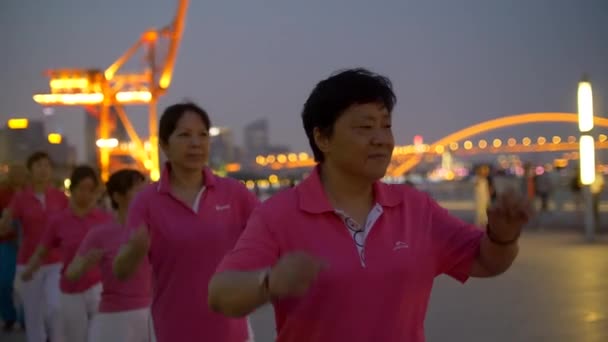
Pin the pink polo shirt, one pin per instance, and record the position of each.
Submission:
(186, 245)
(132, 294)
(66, 231)
(33, 214)
(378, 292)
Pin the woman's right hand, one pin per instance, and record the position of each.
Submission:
(294, 274)
(132, 253)
(27, 275)
(140, 241)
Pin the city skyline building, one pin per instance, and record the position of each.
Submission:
(17, 144)
(256, 136)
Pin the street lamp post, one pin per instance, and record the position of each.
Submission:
(587, 152)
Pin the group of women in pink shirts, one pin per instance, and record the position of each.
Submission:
(65, 278)
(87, 274)
(187, 258)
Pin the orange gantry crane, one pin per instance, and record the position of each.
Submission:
(110, 88)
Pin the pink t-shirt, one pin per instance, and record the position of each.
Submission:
(66, 231)
(33, 214)
(132, 294)
(376, 293)
(186, 246)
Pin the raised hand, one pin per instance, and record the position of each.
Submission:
(93, 256)
(294, 274)
(140, 241)
(508, 216)
(27, 275)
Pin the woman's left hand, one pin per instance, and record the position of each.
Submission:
(508, 216)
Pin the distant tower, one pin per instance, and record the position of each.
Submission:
(418, 141)
(447, 161)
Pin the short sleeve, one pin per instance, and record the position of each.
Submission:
(64, 199)
(455, 243)
(256, 248)
(50, 238)
(250, 202)
(5, 198)
(15, 208)
(91, 241)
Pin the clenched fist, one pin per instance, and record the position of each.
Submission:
(294, 274)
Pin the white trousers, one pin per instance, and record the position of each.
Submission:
(123, 326)
(250, 330)
(40, 298)
(77, 311)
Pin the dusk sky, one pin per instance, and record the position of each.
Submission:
(453, 63)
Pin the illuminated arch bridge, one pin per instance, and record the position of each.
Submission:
(461, 142)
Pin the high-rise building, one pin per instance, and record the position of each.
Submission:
(257, 142)
(17, 144)
(222, 149)
(256, 138)
(90, 136)
(277, 149)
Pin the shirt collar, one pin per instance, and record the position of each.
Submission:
(29, 191)
(313, 199)
(164, 183)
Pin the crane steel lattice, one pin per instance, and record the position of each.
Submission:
(106, 89)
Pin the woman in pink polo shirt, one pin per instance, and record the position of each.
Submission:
(192, 218)
(66, 230)
(344, 257)
(123, 311)
(32, 207)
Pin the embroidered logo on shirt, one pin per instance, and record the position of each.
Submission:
(400, 245)
(222, 207)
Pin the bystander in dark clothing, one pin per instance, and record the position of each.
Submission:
(9, 245)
